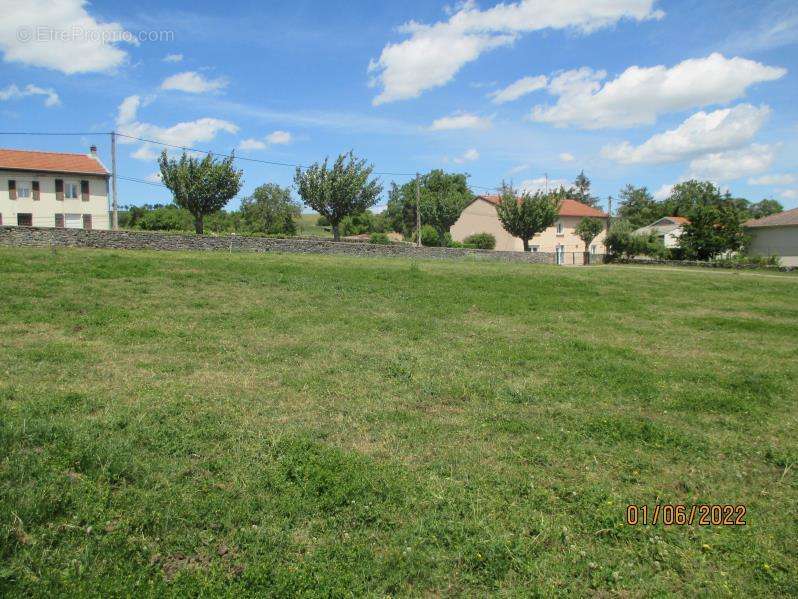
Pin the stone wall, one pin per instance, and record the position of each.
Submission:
(698, 264)
(140, 240)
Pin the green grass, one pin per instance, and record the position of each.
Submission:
(306, 226)
(204, 424)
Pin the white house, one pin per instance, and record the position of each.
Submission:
(668, 229)
(49, 189)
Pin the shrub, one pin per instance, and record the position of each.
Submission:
(429, 236)
(322, 222)
(380, 238)
(482, 241)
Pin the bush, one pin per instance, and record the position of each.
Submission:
(482, 241)
(380, 238)
(429, 236)
(322, 221)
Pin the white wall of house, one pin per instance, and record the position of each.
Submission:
(779, 241)
(44, 210)
(481, 217)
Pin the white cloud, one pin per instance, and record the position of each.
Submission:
(154, 177)
(701, 133)
(193, 83)
(523, 86)
(639, 94)
(433, 54)
(272, 139)
(566, 157)
(146, 152)
(173, 58)
(734, 164)
(251, 144)
(460, 120)
(789, 194)
(773, 180)
(185, 134)
(663, 192)
(60, 35)
(12, 92)
(542, 184)
(518, 168)
(279, 137)
(468, 156)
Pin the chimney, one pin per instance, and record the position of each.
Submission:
(93, 151)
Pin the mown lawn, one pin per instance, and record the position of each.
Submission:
(206, 424)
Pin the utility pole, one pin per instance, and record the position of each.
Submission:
(114, 205)
(418, 212)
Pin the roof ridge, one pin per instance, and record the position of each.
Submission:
(89, 154)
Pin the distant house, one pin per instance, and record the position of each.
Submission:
(49, 189)
(668, 229)
(776, 234)
(480, 216)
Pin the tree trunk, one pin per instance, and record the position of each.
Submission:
(336, 233)
(198, 224)
(526, 245)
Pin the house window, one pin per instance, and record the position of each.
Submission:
(23, 190)
(534, 248)
(24, 219)
(560, 230)
(71, 190)
(593, 249)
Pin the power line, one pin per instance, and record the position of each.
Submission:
(199, 151)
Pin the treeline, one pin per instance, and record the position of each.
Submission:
(715, 226)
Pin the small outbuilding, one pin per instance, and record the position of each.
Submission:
(775, 235)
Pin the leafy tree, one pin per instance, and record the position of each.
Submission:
(442, 197)
(588, 229)
(622, 241)
(581, 190)
(764, 208)
(164, 218)
(201, 186)
(686, 196)
(526, 216)
(639, 207)
(271, 210)
(712, 230)
(394, 209)
(339, 191)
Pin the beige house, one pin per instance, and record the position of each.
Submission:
(48, 189)
(777, 235)
(667, 229)
(480, 216)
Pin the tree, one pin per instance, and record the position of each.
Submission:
(581, 190)
(588, 229)
(528, 215)
(764, 208)
(686, 196)
(639, 207)
(271, 210)
(712, 230)
(622, 241)
(442, 197)
(394, 209)
(338, 191)
(201, 186)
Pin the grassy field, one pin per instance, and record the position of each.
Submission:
(205, 424)
(306, 226)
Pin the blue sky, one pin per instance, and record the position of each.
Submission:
(631, 91)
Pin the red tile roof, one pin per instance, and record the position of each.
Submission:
(56, 162)
(782, 219)
(679, 220)
(567, 207)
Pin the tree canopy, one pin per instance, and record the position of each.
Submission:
(526, 215)
(588, 229)
(712, 231)
(581, 190)
(270, 209)
(201, 186)
(340, 190)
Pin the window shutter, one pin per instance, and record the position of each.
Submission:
(84, 191)
(87, 221)
(12, 189)
(35, 186)
(59, 190)
(59, 221)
